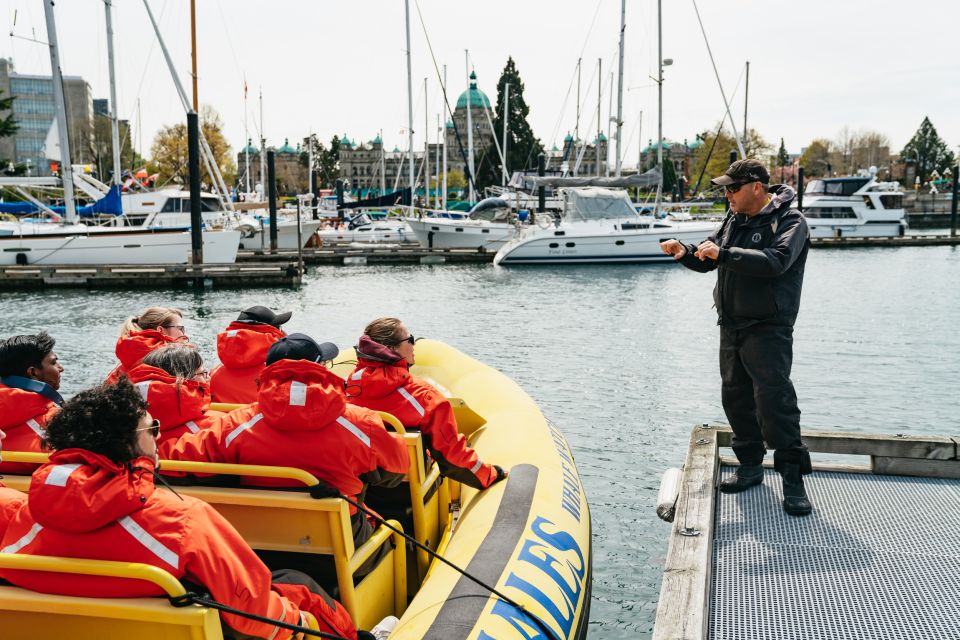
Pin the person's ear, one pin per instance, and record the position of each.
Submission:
(33, 372)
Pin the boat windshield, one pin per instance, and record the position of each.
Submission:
(836, 186)
(359, 220)
(596, 203)
(492, 210)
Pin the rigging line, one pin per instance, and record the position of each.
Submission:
(236, 60)
(563, 109)
(146, 63)
(716, 136)
(583, 145)
(446, 102)
(720, 84)
(593, 22)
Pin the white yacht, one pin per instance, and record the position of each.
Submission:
(488, 226)
(598, 225)
(854, 207)
(365, 228)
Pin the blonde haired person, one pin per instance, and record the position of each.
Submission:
(155, 327)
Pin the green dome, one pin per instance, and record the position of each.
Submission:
(377, 140)
(569, 138)
(286, 148)
(477, 97)
(696, 144)
(345, 142)
(600, 138)
(450, 124)
(250, 148)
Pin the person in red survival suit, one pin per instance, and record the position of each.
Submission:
(382, 381)
(96, 499)
(154, 328)
(243, 350)
(175, 384)
(301, 419)
(10, 499)
(29, 383)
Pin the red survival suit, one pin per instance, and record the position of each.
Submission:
(180, 410)
(82, 505)
(10, 502)
(134, 347)
(23, 417)
(302, 420)
(382, 381)
(243, 351)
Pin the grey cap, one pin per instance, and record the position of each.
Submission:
(300, 346)
(742, 172)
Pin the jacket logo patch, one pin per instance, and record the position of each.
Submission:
(756, 237)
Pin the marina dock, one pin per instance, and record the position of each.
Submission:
(404, 253)
(877, 558)
(248, 274)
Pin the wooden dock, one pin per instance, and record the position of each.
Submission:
(738, 567)
(239, 275)
(344, 254)
(941, 240)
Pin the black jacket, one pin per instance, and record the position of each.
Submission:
(760, 266)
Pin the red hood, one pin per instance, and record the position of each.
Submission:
(95, 494)
(134, 347)
(170, 405)
(380, 371)
(18, 405)
(245, 345)
(300, 395)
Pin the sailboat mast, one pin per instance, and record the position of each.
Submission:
(599, 106)
(383, 167)
(246, 135)
(506, 121)
(444, 203)
(472, 177)
(193, 52)
(436, 162)
(623, 28)
(409, 107)
(263, 151)
(746, 99)
(610, 123)
(426, 148)
(66, 170)
(114, 124)
(656, 206)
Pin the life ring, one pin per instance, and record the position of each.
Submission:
(544, 220)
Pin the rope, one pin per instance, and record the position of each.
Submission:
(192, 598)
(326, 491)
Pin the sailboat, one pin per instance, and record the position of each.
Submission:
(64, 240)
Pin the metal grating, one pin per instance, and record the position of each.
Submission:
(879, 558)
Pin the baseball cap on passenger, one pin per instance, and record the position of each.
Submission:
(743, 171)
(299, 346)
(262, 315)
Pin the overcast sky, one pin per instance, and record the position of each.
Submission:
(339, 67)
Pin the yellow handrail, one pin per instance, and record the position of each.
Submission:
(226, 407)
(392, 420)
(25, 456)
(108, 568)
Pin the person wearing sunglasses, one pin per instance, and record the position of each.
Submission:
(301, 419)
(759, 253)
(29, 393)
(177, 386)
(242, 348)
(96, 499)
(155, 327)
(382, 381)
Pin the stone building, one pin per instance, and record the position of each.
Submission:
(292, 177)
(35, 112)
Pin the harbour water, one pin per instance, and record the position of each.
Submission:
(622, 358)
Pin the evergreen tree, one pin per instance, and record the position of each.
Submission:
(8, 127)
(326, 161)
(669, 176)
(522, 146)
(783, 158)
(928, 151)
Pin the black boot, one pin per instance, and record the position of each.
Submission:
(746, 476)
(795, 501)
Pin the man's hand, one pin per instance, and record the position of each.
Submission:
(706, 250)
(673, 248)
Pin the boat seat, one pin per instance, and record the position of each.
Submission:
(28, 614)
(292, 521)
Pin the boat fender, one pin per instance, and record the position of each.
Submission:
(668, 494)
(544, 221)
(247, 230)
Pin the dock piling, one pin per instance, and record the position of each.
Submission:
(193, 166)
(953, 202)
(272, 182)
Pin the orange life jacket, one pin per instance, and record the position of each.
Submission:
(243, 350)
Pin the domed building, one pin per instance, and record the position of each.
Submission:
(479, 105)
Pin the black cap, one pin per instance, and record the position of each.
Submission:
(300, 346)
(742, 172)
(262, 315)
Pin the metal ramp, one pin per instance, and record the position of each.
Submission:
(879, 558)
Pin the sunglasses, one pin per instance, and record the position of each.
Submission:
(175, 326)
(154, 428)
(409, 339)
(733, 188)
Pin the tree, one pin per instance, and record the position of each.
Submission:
(101, 148)
(522, 146)
(816, 157)
(928, 151)
(713, 159)
(326, 160)
(8, 127)
(169, 150)
(783, 158)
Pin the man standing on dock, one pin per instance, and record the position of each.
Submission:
(759, 252)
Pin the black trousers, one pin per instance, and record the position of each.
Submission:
(758, 396)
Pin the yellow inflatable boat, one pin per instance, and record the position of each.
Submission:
(529, 537)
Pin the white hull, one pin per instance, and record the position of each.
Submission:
(856, 229)
(598, 243)
(854, 207)
(382, 231)
(442, 233)
(256, 239)
(78, 244)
